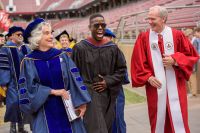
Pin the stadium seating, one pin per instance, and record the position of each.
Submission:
(46, 4)
(21, 24)
(84, 2)
(180, 17)
(64, 5)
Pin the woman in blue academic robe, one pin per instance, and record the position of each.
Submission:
(46, 76)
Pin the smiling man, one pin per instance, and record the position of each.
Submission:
(102, 66)
(163, 59)
(11, 55)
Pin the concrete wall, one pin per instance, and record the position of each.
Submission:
(127, 50)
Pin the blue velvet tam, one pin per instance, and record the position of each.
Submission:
(31, 27)
(109, 33)
(14, 29)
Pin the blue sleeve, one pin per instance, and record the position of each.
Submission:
(196, 45)
(32, 94)
(5, 67)
(28, 49)
(78, 90)
(126, 79)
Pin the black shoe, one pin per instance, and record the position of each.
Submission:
(22, 131)
(21, 128)
(13, 128)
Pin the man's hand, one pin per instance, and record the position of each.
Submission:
(168, 61)
(154, 82)
(81, 110)
(100, 86)
(62, 92)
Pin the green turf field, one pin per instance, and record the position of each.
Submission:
(133, 98)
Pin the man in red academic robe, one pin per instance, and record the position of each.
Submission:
(163, 59)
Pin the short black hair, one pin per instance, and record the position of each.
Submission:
(95, 16)
(197, 29)
(1, 35)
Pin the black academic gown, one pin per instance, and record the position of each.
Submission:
(108, 61)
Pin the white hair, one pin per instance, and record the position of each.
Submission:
(36, 35)
(163, 13)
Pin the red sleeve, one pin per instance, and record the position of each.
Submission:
(186, 55)
(140, 69)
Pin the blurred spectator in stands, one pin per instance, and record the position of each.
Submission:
(119, 124)
(103, 67)
(11, 55)
(162, 60)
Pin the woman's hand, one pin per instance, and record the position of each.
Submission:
(61, 92)
(81, 110)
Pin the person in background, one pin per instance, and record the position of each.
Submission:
(2, 40)
(2, 90)
(162, 60)
(109, 34)
(196, 42)
(119, 124)
(2, 95)
(189, 33)
(192, 83)
(103, 67)
(8, 38)
(55, 44)
(11, 56)
(47, 77)
(64, 40)
(73, 42)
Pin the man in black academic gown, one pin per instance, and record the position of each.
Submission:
(103, 67)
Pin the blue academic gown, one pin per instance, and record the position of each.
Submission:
(68, 51)
(41, 72)
(10, 58)
(119, 124)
